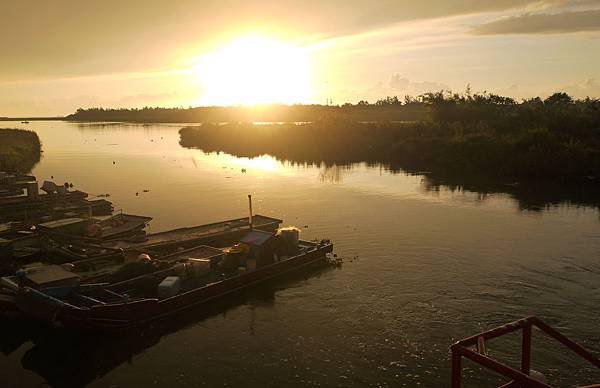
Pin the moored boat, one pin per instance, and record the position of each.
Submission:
(119, 225)
(217, 233)
(188, 282)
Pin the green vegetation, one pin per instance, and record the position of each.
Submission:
(556, 139)
(382, 110)
(20, 150)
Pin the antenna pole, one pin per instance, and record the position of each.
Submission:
(250, 207)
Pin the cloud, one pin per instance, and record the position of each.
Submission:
(542, 23)
(580, 90)
(588, 88)
(400, 84)
(397, 82)
(42, 39)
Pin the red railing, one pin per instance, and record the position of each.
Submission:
(474, 349)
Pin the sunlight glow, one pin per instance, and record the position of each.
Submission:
(262, 163)
(255, 70)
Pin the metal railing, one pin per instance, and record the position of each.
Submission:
(473, 348)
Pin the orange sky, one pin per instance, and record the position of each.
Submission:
(61, 55)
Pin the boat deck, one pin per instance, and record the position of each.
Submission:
(122, 224)
(195, 233)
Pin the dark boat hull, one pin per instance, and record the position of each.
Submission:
(112, 317)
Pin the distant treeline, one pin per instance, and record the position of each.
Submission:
(387, 109)
(20, 150)
(556, 139)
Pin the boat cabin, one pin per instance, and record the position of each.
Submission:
(75, 226)
(47, 275)
(262, 247)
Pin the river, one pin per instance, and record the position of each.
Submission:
(423, 267)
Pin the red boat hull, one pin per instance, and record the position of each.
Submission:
(126, 315)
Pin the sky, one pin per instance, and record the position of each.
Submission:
(57, 56)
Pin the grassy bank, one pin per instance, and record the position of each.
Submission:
(20, 150)
(557, 139)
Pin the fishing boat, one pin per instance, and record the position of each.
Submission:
(78, 252)
(217, 233)
(195, 277)
(119, 225)
(13, 184)
(18, 245)
(56, 201)
(95, 229)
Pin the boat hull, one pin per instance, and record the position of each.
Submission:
(113, 317)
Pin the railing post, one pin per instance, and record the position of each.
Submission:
(526, 349)
(456, 366)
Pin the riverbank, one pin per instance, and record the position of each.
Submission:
(531, 153)
(20, 150)
(483, 135)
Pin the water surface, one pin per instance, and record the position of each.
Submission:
(423, 268)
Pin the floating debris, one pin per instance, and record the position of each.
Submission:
(337, 261)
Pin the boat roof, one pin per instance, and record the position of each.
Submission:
(46, 274)
(182, 234)
(256, 237)
(61, 223)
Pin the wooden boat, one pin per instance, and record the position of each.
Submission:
(217, 233)
(24, 207)
(13, 184)
(138, 300)
(77, 252)
(19, 245)
(120, 225)
(41, 199)
(95, 230)
(97, 207)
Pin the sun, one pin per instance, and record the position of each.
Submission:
(253, 70)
